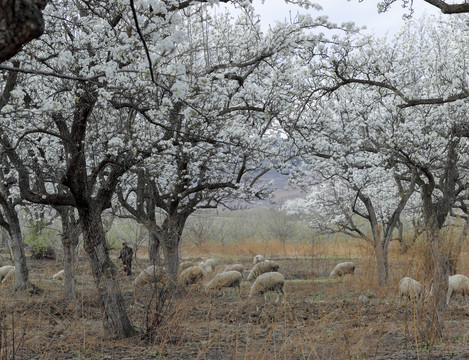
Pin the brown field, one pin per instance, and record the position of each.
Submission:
(321, 318)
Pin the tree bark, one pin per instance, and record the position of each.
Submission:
(69, 272)
(170, 237)
(71, 230)
(171, 256)
(434, 216)
(20, 22)
(153, 247)
(19, 258)
(381, 254)
(116, 321)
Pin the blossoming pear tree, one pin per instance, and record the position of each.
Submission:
(411, 92)
(226, 135)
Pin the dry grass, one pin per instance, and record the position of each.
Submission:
(339, 247)
(321, 319)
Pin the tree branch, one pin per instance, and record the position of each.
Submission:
(449, 8)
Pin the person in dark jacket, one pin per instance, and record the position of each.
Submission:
(126, 257)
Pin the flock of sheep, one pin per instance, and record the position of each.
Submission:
(411, 289)
(264, 277)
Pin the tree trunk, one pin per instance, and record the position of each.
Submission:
(382, 263)
(153, 247)
(19, 258)
(69, 272)
(435, 215)
(170, 237)
(435, 324)
(171, 257)
(116, 321)
(71, 230)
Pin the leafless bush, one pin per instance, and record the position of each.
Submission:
(162, 320)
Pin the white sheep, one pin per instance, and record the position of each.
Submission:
(152, 273)
(258, 259)
(184, 265)
(261, 268)
(209, 265)
(457, 284)
(271, 281)
(225, 280)
(9, 276)
(235, 267)
(343, 269)
(4, 270)
(410, 289)
(59, 275)
(191, 275)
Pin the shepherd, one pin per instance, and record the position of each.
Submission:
(126, 256)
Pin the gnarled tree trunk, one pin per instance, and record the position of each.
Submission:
(17, 246)
(153, 247)
(170, 237)
(381, 253)
(171, 256)
(70, 293)
(71, 230)
(116, 321)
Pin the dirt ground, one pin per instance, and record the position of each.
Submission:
(320, 319)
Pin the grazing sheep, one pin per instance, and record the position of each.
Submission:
(225, 280)
(235, 267)
(9, 276)
(152, 273)
(4, 270)
(261, 268)
(258, 259)
(343, 269)
(184, 265)
(59, 275)
(410, 289)
(271, 281)
(191, 275)
(457, 284)
(209, 265)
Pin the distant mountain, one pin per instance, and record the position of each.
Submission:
(282, 191)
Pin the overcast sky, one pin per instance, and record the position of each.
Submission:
(362, 13)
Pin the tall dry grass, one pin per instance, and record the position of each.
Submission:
(340, 247)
